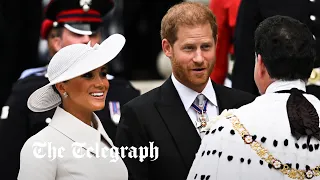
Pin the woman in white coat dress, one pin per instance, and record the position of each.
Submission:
(74, 145)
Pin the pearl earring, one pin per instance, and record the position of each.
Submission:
(65, 94)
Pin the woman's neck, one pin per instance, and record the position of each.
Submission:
(83, 115)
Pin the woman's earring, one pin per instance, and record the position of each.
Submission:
(65, 94)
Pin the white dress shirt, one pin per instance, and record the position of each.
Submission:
(77, 162)
(224, 155)
(188, 97)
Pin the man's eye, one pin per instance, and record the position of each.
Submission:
(188, 48)
(206, 46)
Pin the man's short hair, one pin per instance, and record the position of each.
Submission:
(186, 14)
(287, 48)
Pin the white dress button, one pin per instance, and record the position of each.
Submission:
(313, 17)
(48, 120)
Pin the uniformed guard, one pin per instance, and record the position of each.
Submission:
(67, 22)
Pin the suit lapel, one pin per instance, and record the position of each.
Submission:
(178, 122)
(221, 95)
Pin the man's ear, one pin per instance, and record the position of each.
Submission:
(51, 46)
(262, 70)
(56, 43)
(167, 48)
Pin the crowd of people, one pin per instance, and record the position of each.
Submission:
(59, 120)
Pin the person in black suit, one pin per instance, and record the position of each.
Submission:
(250, 14)
(169, 115)
(19, 123)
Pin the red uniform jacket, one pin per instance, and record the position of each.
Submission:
(226, 13)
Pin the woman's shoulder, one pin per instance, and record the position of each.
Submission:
(46, 136)
(38, 159)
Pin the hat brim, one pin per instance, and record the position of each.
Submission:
(81, 29)
(45, 98)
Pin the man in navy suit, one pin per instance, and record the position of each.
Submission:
(175, 115)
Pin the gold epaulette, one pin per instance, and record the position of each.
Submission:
(314, 77)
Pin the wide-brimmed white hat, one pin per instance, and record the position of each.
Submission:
(70, 62)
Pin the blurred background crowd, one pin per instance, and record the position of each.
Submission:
(142, 61)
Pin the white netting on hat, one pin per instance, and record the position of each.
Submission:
(45, 99)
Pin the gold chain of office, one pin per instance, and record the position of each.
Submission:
(264, 154)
